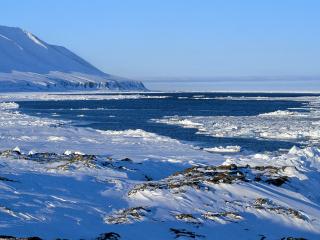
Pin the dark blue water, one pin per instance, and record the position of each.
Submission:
(137, 114)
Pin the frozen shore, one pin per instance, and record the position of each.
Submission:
(60, 181)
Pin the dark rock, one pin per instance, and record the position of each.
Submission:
(127, 215)
(200, 176)
(148, 178)
(277, 181)
(109, 236)
(4, 237)
(268, 205)
(189, 218)
(222, 216)
(6, 179)
(126, 160)
(185, 233)
(11, 153)
(262, 237)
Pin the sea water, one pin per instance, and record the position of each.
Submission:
(143, 113)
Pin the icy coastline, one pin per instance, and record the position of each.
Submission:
(59, 181)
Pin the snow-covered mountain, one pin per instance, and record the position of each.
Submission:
(30, 64)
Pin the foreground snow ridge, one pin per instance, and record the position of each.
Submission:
(59, 181)
(30, 64)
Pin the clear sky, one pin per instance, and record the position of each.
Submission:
(179, 38)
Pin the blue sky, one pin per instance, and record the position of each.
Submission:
(179, 38)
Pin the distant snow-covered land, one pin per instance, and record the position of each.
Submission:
(60, 181)
(30, 64)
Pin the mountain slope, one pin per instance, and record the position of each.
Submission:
(28, 64)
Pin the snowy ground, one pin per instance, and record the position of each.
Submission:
(58, 181)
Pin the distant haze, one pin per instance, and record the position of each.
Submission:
(167, 39)
(236, 84)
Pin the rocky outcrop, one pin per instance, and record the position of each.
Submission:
(201, 177)
(127, 215)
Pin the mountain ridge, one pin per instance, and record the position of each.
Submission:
(28, 63)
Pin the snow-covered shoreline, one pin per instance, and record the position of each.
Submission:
(63, 96)
(60, 181)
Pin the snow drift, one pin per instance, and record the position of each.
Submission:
(30, 64)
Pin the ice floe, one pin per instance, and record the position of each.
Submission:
(226, 149)
(300, 127)
(8, 105)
